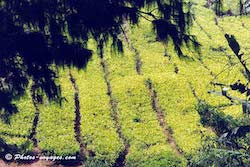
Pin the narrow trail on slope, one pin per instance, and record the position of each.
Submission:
(216, 20)
(166, 54)
(198, 100)
(201, 27)
(36, 150)
(138, 62)
(161, 118)
(121, 160)
(208, 69)
(193, 91)
(153, 94)
(36, 118)
(77, 127)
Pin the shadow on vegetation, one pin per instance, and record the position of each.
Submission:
(35, 35)
(38, 36)
(29, 56)
(230, 146)
(13, 149)
(5, 148)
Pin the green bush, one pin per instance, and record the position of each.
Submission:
(163, 159)
(218, 120)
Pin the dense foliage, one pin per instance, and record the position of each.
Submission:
(35, 34)
(229, 7)
(231, 147)
(179, 83)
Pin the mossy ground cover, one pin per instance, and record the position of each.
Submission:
(98, 128)
(55, 130)
(197, 70)
(175, 95)
(18, 130)
(148, 146)
(174, 79)
(218, 57)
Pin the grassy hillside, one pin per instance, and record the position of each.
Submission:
(137, 108)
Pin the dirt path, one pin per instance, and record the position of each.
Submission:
(78, 135)
(208, 69)
(161, 118)
(193, 91)
(121, 160)
(209, 128)
(153, 94)
(36, 118)
(216, 20)
(201, 27)
(166, 54)
(138, 62)
(36, 150)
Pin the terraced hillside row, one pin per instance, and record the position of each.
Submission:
(138, 108)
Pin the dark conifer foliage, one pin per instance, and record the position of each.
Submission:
(34, 34)
(218, 7)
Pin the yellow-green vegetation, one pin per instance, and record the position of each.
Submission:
(215, 63)
(174, 92)
(55, 130)
(148, 145)
(178, 81)
(98, 128)
(216, 55)
(18, 130)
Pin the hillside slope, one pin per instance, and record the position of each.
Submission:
(138, 108)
